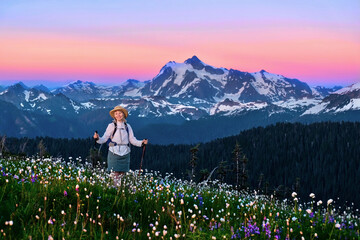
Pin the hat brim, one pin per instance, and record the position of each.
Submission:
(123, 110)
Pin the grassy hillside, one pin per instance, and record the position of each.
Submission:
(50, 199)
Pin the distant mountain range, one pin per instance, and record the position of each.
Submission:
(179, 98)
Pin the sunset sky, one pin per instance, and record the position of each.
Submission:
(109, 41)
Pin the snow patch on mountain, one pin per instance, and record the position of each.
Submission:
(27, 95)
(351, 88)
(316, 93)
(180, 107)
(316, 109)
(267, 88)
(231, 96)
(181, 68)
(133, 93)
(88, 105)
(41, 97)
(354, 104)
(229, 107)
(294, 104)
(75, 106)
(185, 88)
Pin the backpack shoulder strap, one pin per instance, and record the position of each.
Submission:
(127, 130)
(115, 128)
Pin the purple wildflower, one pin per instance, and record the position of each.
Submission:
(201, 202)
(277, 236)
(251, 229)
(266, 229)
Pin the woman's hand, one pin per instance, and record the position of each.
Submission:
(96, 135)
(145, 141)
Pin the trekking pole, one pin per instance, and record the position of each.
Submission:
(142, 157)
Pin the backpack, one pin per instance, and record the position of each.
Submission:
(110, 142)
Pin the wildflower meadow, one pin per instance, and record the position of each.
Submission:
(53, 199)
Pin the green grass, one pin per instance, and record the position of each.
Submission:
(49, 199)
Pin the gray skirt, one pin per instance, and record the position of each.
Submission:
(118, 163)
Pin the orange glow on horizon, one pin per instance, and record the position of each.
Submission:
(307, 54)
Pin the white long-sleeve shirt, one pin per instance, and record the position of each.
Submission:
(121, 138)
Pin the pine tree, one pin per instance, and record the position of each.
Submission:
(193, 160)
(236, 158)
(222, 171)
(22, 147)
(204, 174)
(261, 178)
(2, 144)
(42, 149)
(244, 174)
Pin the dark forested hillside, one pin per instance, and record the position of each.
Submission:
(321, 158)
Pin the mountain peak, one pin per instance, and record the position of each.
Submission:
(75, 82)
(132, 83)
(79, 83)
(41, 87)
(132, 80)
(193, 59)
(19, 85)
(195, 62)
(22, 85)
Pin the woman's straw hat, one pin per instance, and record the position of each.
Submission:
(119, 108)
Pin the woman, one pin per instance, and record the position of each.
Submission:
(119, 135)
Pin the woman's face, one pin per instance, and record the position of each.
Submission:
(119, 116)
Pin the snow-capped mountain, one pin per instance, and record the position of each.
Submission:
(345, 99)
(179, 93)
(22, 96)
(31, 99)
(194, 79)
(192, 90)
(84, 91)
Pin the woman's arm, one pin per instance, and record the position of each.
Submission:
(107, 134)
(132, 138)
